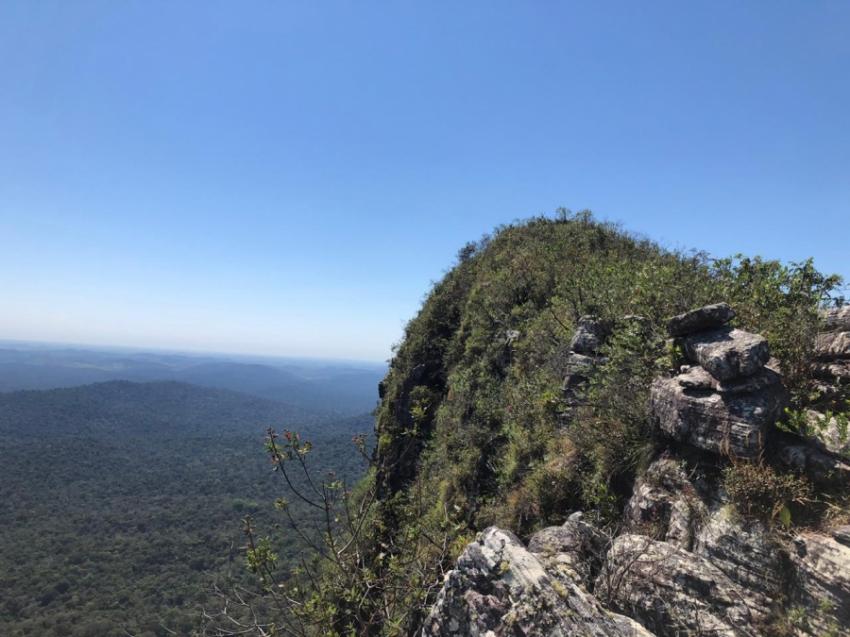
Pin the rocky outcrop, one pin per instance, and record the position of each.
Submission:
(832, 348)
(664, 504)
(830, 430)
(572, 551)
(833, 345)
(583, 357)
(819, 603)
(674, 592)
(747, 553)
(590, 335)
(500, 588)
(727, 353)
(837, 319)
(579, 368)
(732, 424)
(804, 457)
(700, 319)
(686, 563)
(727, 401)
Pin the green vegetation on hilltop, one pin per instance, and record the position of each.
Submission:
(474, 428)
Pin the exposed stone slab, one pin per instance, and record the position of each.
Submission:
(578, 369)
(696, 378)
(700, 319)
(842, 534)
(674, 592)
(762, 380)
(729, 424)
(821, 587)
(727, 353)
(831, 345)
(500, 588)
(834, 371)
(837, 319)
(747, 553)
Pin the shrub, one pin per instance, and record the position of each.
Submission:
(759, 491)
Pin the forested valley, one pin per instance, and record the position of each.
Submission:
(122, 504)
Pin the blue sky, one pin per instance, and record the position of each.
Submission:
(289, 177)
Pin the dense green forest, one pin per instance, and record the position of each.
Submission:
(121, 503)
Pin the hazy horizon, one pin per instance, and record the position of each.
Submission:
(31, 345)
(289, 179)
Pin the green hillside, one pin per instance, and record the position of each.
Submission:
(475, 427)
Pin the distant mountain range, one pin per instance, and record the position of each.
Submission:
(343, 388)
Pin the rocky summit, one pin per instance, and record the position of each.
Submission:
(683, 560)
(583, 433)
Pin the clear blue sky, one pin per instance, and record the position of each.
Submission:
(289, 177)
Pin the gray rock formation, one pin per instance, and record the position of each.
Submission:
(578, 369)
(747, 552)
(674, 592)
(590, 335)
(831, 431)
(664, 504)
(817, 464)
(819, 603)
(733, 424)
(832, 349)
(583, 357)
(500, 588)
(833, 345)
(572, 551)
(700, 319)
(727, 353)
(842, 535)
(728, 401)
(687, 563)
(837, 319)
(696, 378)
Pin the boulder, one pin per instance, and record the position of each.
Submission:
(810, 458)
(727, 353)
(831, 345)
(830, 431)
(500, 588)
(674, 592)
(590, 335)
(837, 319)
(573, 550)
(696, 378)
(732, 424)
(747, 553)
(820, 591)
(700, 319)
(664, 504)
(764, 379)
